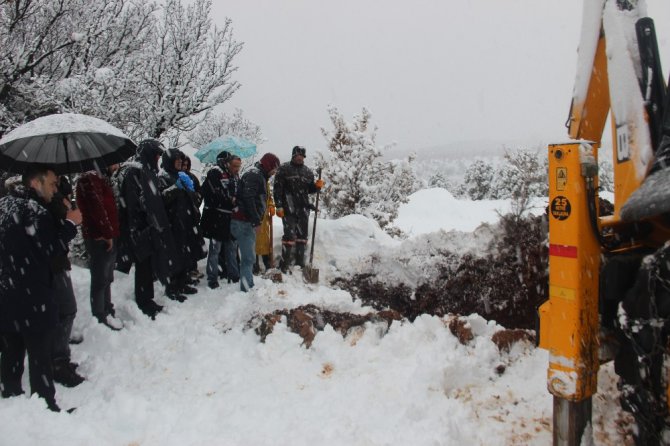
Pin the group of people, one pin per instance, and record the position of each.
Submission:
(134, 214)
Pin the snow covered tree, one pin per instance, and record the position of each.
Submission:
(53, 53)
(478, 183)
(522, 174)
(357, 180)
(150, 70)
(221, 124)
(605, 174)
(439, 180)
(522, 177)
(189, 69)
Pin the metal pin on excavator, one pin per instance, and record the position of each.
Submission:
(609, 275)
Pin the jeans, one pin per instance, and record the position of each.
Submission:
(101, 265)
(230, 254)
(245, 235)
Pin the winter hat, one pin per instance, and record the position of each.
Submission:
(299, 150)
(168, 159)
(223, 158)
(147, 150)
(269, 162)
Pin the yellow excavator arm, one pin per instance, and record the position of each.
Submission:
(596, 261)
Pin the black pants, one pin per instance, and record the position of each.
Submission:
(67, 310)
(101, 265)
(177, 281)
(144, 282)
(296, 226)
(61, 337)
(38, 346)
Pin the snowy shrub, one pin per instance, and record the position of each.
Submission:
(506, 283)
(521, 176)
(478, 183)
(439, 180)
(357, 180)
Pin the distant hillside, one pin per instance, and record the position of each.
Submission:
(465, 150)
(452, 160)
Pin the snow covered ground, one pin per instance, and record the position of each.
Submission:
(198, 376)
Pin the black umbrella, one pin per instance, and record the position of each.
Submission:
(69, 142)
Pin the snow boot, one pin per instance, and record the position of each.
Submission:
(66, 374)
(150, 308)
(286, 253)
(111, 322)
(300, 254)
(186, 289)
(175, 295)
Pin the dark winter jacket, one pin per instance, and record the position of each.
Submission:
(252, 196)
(292, 185)
(144, 225)
(60, 262)
(197, 196)
(29, 238)
(218, 191)
(181, 210)
(95, 198)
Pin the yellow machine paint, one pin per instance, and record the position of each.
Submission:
(569, 319)
(578, 236)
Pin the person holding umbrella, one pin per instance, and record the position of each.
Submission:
(145, 238)
(30, 238)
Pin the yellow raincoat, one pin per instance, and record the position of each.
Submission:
(264, 235)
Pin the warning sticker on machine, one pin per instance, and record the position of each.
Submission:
(561, 178)
(560, 208)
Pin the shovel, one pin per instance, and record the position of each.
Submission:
(309, 273)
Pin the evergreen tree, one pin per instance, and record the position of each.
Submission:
(357, 180)
(478, 183)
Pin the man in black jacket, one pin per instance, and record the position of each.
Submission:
(251, 205)
(146, 238)
(28, 311)
(293, 184)
(218, 190)
(178, 194)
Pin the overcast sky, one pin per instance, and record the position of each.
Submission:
(432, 72)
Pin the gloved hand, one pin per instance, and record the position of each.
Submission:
(179, 184)
(319, 183)
(271, 210)
(280, 212)
(186, 182)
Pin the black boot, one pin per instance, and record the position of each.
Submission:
(286, 252)
(66, 374)
(175, 295)
(300, 254)
(150, 308)
(256, 269)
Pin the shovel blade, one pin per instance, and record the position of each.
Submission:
(311, 275)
